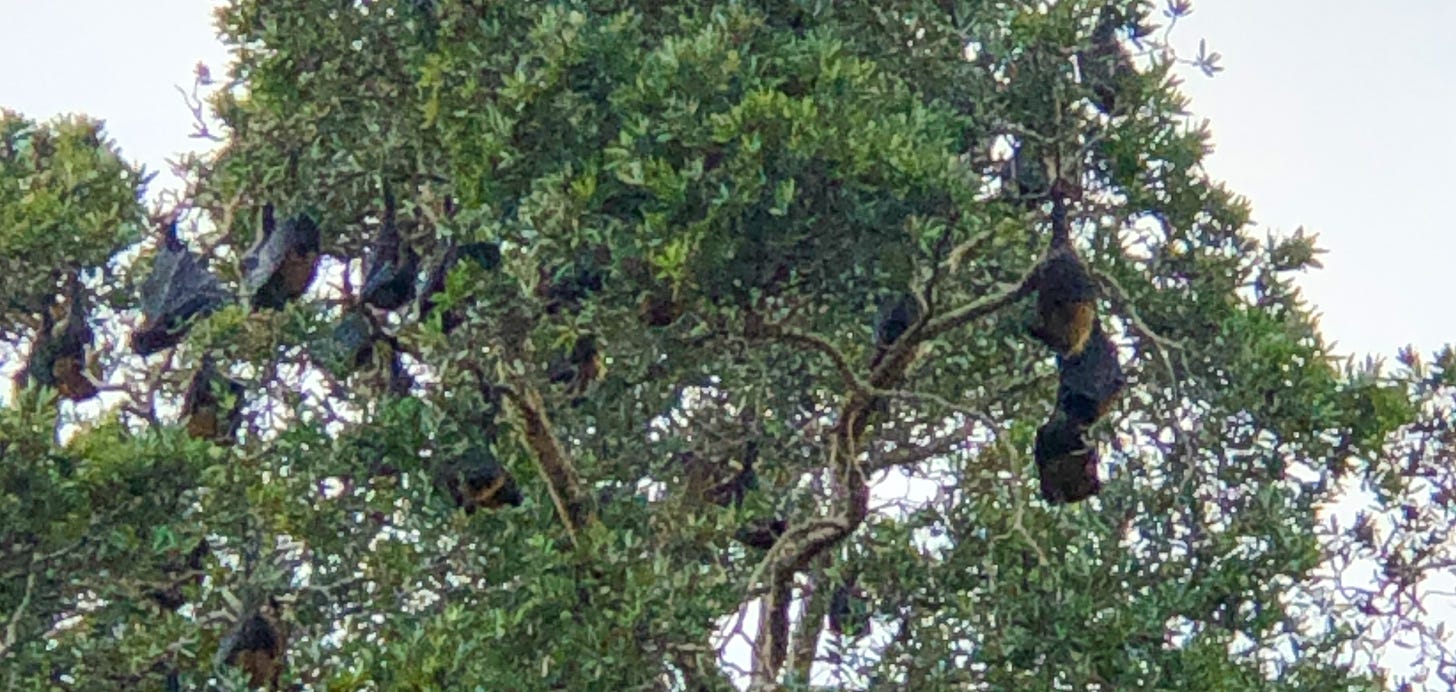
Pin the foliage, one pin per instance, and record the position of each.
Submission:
(770, 172)
(67, 199)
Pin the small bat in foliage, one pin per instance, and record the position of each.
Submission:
(1091, 381)
(58, 355)
(257, 646)
(659, 309)
(1066, 296)
(722, 483)
(1065, 462)
(206, 419)
(477, 479)
(352, 342)
(579, 368)
(1105, 66)
(281, 264)
(566, 287)
(170, 596)
(390, 281)
(178, 290)
(896, 314)
(1026, 177)
(761, 534)
(485, 254)
(848, 613)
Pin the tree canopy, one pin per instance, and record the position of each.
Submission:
(693, 345)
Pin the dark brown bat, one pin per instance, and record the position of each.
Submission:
(257, 646)
(579, 368)
(1066, 296)
(1065, 461)
(1091, 381)
(58, 354)
(390, 281)
(476, 479)
(281, 264)
(486, 254)
(178, 290)
(206, 419)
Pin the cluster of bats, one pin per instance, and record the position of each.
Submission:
(277, 269)
(281, 265)
(1090, 375)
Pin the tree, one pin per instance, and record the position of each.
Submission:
(641, 396)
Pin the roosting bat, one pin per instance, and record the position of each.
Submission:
(179, 290)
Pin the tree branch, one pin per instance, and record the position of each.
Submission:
(773, 635)
(551, 458)
(975, 310)
(699, 667)
(811, 624)
(813, 342)
(12, 627)
(803, 542)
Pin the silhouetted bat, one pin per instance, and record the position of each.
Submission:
(1066, 296)
(761, 534)
(1065, 462)
(659, 309)
(895, 315)
(206, 419)
(257, 647)
(58, 354)
(477, 479)
(1106, 68)
(170, 596)
(581, 367)
(390, 282)
(280, 266)
(722, 483)
(178, 290)
(486, 254)
(569, 285)
(1091, 381)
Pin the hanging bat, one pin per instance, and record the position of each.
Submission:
(477, 479)
(896, 314)
(579, 368)
(206, 419)
(566, 287)
(58, 355)
(257, 646)
(721, 482)
(761, 534)
(659, 309)
(1105, 65)
(281, 264)
(485, 254)
(1026, 177)
(350, 346)
(179, 290)
(1065, 462)
(1091, 381)
(849, 615)
(1066, 296)
(390, 281)
(170, 596)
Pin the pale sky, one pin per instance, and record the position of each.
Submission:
(1330, 114)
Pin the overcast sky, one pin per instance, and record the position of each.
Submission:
(1330, 114)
